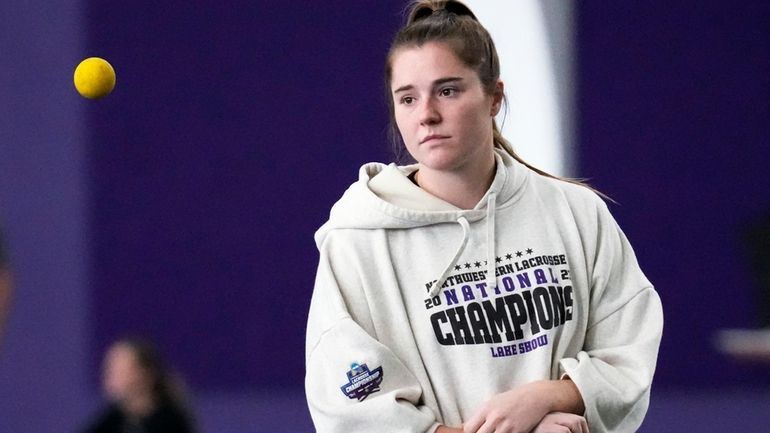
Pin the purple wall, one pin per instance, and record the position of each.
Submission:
(43, 193)
(229, 134)
(675, 125)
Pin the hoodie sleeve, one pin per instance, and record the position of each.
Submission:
(614, 369)
(353, 382)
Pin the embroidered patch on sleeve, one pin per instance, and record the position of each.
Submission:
(362, 382)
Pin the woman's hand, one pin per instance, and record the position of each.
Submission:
(560, 422)
(516, 411)
(522, 409)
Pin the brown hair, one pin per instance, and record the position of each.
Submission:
(452, 23)
(167, 386)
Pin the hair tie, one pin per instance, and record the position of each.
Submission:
(458, 9)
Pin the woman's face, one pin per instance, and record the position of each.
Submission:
(123, 377)
(441, 109)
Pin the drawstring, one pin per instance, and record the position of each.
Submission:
(440, 281)
(491, 279)
(491, 258)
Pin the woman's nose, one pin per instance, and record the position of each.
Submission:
(429, 113)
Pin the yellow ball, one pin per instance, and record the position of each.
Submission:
(94, 78)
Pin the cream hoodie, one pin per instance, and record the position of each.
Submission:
(422, 311)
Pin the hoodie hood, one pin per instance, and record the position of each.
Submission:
(362, 208)
(384, 198)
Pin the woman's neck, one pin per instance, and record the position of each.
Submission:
(463, 187)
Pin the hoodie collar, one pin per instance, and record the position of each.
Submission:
(361, 208)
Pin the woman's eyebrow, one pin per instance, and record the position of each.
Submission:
(436, 83)
(404, 88)
(441, 81)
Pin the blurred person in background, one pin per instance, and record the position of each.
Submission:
(753, 343)
(144, 396)
(756, 239)
(5, 285)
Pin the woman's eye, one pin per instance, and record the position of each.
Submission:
(407, 100)
(448, 91)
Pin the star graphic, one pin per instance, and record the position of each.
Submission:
(518, 253)
(498, 260)
(529, 250)
(508, 256)
(467, 266)
(478, 264)
(457, 268)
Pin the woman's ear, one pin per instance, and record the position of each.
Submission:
(497, 97)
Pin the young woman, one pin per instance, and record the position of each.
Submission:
(143, 396)
(470, 292)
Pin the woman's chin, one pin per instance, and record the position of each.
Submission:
(440, 161)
